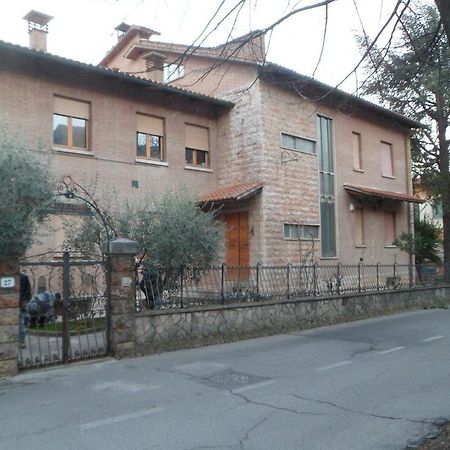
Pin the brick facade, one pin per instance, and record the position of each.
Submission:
(244, 146)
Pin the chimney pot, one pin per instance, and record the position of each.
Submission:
(38, 29)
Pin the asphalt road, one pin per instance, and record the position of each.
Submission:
(374, 384)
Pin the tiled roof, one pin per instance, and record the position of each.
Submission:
(372, 192)
(234, 192)
(327, 91)
(111, 73)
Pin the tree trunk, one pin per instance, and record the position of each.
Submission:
(444, 180)
(444, 11)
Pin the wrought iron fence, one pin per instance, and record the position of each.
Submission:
(222, 285)
(65, 317)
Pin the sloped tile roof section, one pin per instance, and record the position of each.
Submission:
(232, 193)
(379, 193)
(325, 91)
(8, 50)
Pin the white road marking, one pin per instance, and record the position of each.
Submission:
(111, 420)
(253, 386)
(333, 366)
(432, 338)
(391, 350)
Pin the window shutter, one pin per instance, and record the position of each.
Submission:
(356, 150)
(389, 227)
(386, 160)
(71, 108)
(150, 125)
(197, 137)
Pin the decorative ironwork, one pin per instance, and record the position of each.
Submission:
(73, 190)
(225, 285)
(69, 322)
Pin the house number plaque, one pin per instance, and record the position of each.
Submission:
(7, 282)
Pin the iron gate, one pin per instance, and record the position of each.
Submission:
(66, 318)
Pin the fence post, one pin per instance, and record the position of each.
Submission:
(314, 279)
(257, 281)
(222, 281)
(121, 265)
(66, 306)
(378, 276)
(359, 277)
(410, 267)
(9, 313)
(394, 271)
(338, 278)
(288, 280)
(181, 285)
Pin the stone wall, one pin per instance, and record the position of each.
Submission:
(158, 331)
(9, 319)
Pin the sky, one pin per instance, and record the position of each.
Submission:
(84, 29)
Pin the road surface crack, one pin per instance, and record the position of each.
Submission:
(363, 413)
(278, 408)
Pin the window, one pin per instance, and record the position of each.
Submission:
(357, 162)
(172, 72)
(326, 188)
(70, 123)
(149, 138)
(295, 231)
(387, 164)
(389, 228)
(197, 146)
(359, 226)
(297, 143)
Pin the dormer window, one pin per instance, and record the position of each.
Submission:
(172, 72)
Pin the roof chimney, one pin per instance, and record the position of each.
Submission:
(38, 29)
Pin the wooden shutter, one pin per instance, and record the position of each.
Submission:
(387, 167)
(389, 227)
(150, 125)
(197, 137)
(356, 151)
(71, 108)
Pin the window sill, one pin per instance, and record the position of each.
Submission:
(388, 176)
(73, 151)
(361, 246)
(329, 258)
(199, 169)
(152, 162)
(298, 151)
(358, 170)
(390, 246)
(302, 239)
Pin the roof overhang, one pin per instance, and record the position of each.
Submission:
(369, 192)
(231, 193)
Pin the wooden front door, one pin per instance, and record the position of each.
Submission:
(236, 245)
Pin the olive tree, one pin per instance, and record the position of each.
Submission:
(26, 192)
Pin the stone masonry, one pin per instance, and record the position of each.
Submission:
(159, 331)
(9, 319)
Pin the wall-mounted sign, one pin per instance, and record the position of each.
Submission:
(7, 282)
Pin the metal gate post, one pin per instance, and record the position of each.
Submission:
(66, 305)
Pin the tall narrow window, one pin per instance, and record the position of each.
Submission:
(326, 188)
(359, 226)
(149, 137)
(357, 161)
(387, 163)
(197, 146)
(70, 123)
(389, 227)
